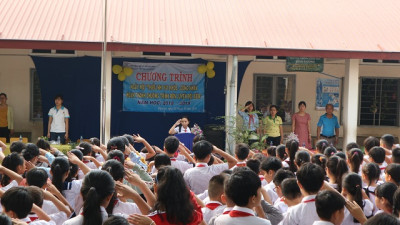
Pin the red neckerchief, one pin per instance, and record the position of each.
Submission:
(261, 178)
(236, 213)
(213, 205)
(241, 164)
(86, 161)
(33, 218)
(310, 200)
(200, 165)
(172, 159)
(251, 119)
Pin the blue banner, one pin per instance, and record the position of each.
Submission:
(163, 87)
(327, 93)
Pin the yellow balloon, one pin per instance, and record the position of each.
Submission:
(128, 71)
(202, 69)
(210, 74)
(121, 76)
(210, 65)
(117, 69)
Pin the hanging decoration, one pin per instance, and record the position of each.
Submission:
(208, 69)
(122, 72)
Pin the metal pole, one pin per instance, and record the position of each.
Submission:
(103, 77)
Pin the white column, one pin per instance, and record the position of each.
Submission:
(105, 113)
(350, 101)
(231, 101)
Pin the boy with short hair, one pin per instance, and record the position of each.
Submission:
(216, 205)
(171, 146)
(387, 141)
(58, 125)
(255, 165)
(310, 178)
(291, 192)
(269, 167)
(378, 155)
(279, 177)
(241, 153)
(197, 178)
(244, 189)
(330, 208)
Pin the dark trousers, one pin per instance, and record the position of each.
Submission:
(5, 132)
(54, 136)
(275, 140)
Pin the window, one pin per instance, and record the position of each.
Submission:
(36, 97)
(379, 102)
(277, 90)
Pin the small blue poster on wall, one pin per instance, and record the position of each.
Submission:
(328, 93)
(163, 87)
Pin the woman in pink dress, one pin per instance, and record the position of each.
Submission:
(301, 123)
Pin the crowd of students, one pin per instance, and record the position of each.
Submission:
(114, 184)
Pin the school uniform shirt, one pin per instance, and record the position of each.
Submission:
(59, 116)
(368, 212)
(226, 211)
(240, 216)
(181, 165)
(197, 178)
(99, 158)
(371, 191)
(125, 208)
(212, 209)
(72, 192)
(322, 223)
(263, 181)
(33, 220)
(49, 208)
(203, 195)
(13, 183)
(183, 130)
(304, 213)
(382, 167)
(239, 164)
(281, 205)
(59, 218)
(78, 220)
(270, 190)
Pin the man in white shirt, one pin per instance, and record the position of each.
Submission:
(197, 178)
(58, 125)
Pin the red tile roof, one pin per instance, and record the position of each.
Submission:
(356, 28)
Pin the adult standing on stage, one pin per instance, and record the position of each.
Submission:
(249, 116)
(330, 126)
(273, 127)
(6, 118)
(301, 125)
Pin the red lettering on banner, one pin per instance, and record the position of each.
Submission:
(181, 77)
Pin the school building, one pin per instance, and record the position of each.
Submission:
(69, 47)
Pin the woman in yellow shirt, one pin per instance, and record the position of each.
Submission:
(273, 127)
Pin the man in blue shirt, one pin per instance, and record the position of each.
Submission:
(330, 126)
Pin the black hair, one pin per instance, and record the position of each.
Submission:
(321, 145)
(171, 144)
(241, 186)
(11, 162)
(31, 151)
(293, 147)
(311, 177)
(281, 152)
(18, 200)
(353, 184)
(3, 94)
(356, 158)
(17, 146)
(242, 151)
(59, 168)
(116, 143)
(173, 196)
(240, 168)
(302, 103)
(115, 168)
(396, 202)
(338, 168)
(351, 145)
(249, 103)
(96, 187)
(4, 219)
(211, 161)
(290, 188)
(199, 137)
(116, 220)
(36, 194)
(254, 165)
(330, 151)
(377, 154)
(388, 140)
(271, 150)
(383, 219)
(259, 156)
(85, 148)
(281, 175)
(78, 153)
(386, 191)
(216, 185)
(43, 144)
(202, 149)
(320, 160)
(130, 139)
(273, 106)
(370, 142)
(372, 172)
(125, 140)
(161, 160)
(396, 155)
(327, 203)
(60, 96)
(37, 177)
(117, 155)
(271, 163)
(95, 141)
(393, 170)
(302, 157)
(340, 155)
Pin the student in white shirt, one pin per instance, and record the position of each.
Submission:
(330, 208)
(180, 126)
(197, 178)
(244, 189)
(58, 125)
(216, 205)
(384, 197)
(370, 176)
(97, 190)
(255, 165)
(241, 153)
(383, 218)
(171, 146)
(291, 194)
(377, 155)
(310, 179)
(279, 177)
(269, 167)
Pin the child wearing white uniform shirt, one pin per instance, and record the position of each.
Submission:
(171, 146)
(269, 167)
(330, 208)
(58, 125)
(215, 191)
(197, 178)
